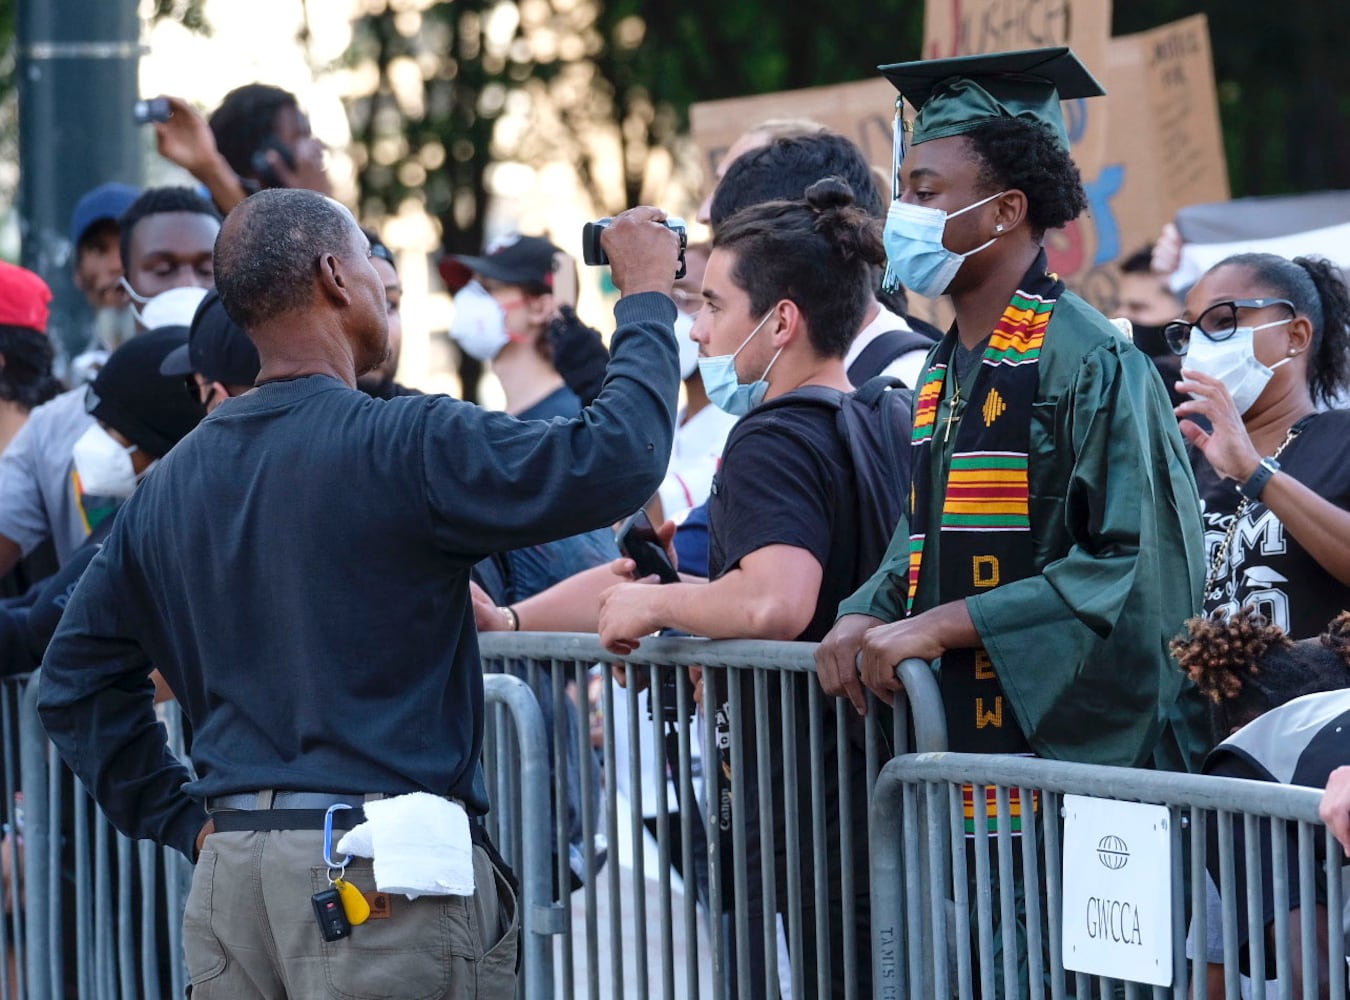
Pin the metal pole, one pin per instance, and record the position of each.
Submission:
(77, 71)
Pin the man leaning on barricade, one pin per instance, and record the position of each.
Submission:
(1053, 539)
(297, 568)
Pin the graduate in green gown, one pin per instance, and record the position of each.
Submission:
(1054, 543)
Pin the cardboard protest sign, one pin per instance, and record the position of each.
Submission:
(1164, 150)
(1150, 147)
(863, 111)
(974, 27)
(970, 27)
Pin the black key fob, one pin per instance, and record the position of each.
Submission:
(333, 924)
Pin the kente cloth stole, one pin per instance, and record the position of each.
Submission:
(984, 525)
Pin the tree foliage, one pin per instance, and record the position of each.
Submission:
(576, 71)
(573, 69)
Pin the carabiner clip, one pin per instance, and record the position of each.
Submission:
(328, 837)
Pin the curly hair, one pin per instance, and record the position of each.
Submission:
(818, 252)
(26, 376)
(1245, 666)
(1317, 289)
(1016, 154)
(244, 120)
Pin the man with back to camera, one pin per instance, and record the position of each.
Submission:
(298, 569)
(1053, 541)
(166, 238)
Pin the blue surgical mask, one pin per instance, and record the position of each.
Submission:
(915, 255)
(723, 385)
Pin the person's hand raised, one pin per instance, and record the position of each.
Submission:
(186, 139)
(1226, 445)
(643, 254)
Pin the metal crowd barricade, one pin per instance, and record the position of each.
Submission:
(103, 912)
(101, 915)
(936, 930)
(517, 774)
(698, 915)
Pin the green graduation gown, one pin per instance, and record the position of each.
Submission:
(1079, 646)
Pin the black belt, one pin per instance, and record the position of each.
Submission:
(259, 820)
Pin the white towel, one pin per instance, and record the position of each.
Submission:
(420, 843)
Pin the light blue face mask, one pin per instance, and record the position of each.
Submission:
(915, 256)
(723, 385)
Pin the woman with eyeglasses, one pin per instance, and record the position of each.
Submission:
(1266, 341)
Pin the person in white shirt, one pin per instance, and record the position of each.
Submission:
(701, 429)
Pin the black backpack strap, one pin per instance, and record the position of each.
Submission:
(877, 355)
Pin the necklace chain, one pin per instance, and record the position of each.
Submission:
(1221, 556)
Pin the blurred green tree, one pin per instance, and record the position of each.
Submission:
(440, 80)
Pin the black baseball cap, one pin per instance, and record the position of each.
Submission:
(132, 395)
(516, 260)
(217, 347)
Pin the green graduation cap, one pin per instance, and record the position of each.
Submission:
(958, 95)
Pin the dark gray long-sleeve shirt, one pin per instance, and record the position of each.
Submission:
(298, 569)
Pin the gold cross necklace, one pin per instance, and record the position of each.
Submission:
(954, 401)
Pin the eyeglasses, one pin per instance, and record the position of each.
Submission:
(1218, 322)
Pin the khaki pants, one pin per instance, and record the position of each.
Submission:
(250, 929)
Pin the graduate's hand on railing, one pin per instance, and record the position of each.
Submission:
(837, 664)
(924, 636)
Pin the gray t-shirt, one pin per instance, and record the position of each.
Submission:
(39, 491)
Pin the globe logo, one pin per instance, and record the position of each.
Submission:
(1112, 852)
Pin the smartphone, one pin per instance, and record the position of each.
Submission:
(637, 539)
(263, 167)
(154, 110)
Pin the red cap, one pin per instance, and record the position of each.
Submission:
(24, 298)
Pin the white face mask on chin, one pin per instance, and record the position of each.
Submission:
(103, 465)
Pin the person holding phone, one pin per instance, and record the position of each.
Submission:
(258, 138)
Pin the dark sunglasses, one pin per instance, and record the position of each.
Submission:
(1218, 322)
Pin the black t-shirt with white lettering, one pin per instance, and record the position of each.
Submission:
(1265, 565)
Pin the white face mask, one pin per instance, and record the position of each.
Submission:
(479, 325)
(684, 326)
(1233, 362)
(173, 307)
(103, 465)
